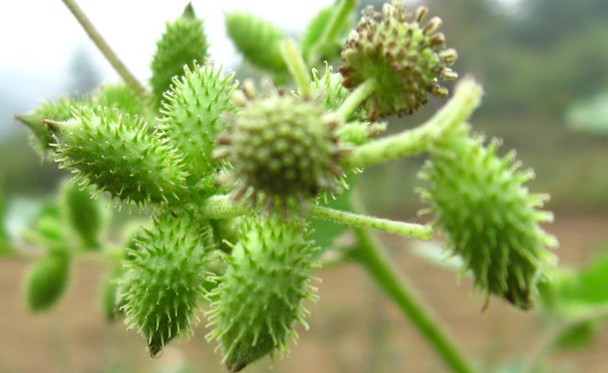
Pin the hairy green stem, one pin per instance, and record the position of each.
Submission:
(105, 49)
(297, 67)
(356, 97)
(364, 221)
(466, 99)
(333, 28)
(223, 207)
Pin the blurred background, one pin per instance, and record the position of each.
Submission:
(544, 67)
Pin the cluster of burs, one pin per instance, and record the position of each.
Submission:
(273, 152)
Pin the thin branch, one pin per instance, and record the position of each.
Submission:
(105, 49)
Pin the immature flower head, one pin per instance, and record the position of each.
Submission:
(260, 295)
(404, 57)
(283, 148)
(491, 220)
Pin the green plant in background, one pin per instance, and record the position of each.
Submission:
(245, 182)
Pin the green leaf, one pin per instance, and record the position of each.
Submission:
(47, 280)
(84, 214)
(573, 290)
(258, 40)
(183, 42)
(577, 336)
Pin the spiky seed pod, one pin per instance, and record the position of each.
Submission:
(59, 110)
(119, 96)
(120, 155)
(491, 220)
(249, 33)
(260, 295)
(163, 283)
(85, 216)
(194, 111)
(183, 41)
(404, 57)
(282, 148)
(47, 280)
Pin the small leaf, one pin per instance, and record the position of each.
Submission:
(47, 280)
(258, 40)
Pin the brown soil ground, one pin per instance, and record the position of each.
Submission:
(354, 329)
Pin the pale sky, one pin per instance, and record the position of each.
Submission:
(40, 36)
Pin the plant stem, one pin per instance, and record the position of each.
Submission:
(297, 67)
(334, 26)
(105, 49)
(364, 221)
(223, 207)
(356, 97)
(467, 97)
(379, 266)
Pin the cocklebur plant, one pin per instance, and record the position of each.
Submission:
(233, 173)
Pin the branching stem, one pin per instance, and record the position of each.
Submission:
(373, 258)
(466, 99)
(105, 49)
(356, 97)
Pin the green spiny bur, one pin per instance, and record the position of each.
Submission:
(404, 57)
(84, 215)
(492, 221)
(193, 115)
(260, 295)
(258, 40)
(282, 148)
(47, 280)
(183, 42)
(164, 280)
(119, 154)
